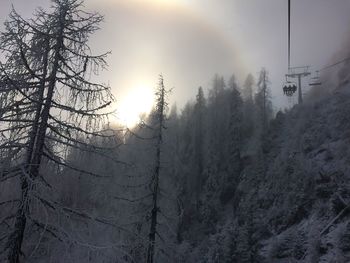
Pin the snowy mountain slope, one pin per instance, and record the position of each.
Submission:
(307, 183)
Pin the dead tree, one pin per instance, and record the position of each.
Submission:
(160, 118)
(45, 80)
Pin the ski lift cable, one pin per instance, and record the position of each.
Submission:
(289, 88)
(289, 40)
(335, 64)
(322, 69)
(315, 81)
(288, 35)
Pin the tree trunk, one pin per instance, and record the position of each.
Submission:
(155, 208)
(35, 151)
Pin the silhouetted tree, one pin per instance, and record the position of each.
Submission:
(199, 133)
(248, 107)
(161, 106)
(235, 143)
(45, 79)
(247, 92)
(263, 100)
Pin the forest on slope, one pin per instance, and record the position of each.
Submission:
(222, 180)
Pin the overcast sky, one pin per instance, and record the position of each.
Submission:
(190, 40)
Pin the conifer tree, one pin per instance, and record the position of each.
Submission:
(248, 107)
(263, 100)
(199, 113)
(234, 140)
(247, 92)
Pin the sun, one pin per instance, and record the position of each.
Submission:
(138, 101)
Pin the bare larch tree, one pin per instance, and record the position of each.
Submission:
(49, 105)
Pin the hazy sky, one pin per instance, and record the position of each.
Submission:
(190, 40)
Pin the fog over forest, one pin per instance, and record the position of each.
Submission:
(174, 131)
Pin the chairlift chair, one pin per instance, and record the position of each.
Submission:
(315, 81)
(289, 88)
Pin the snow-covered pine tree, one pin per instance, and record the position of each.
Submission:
(263, 101)
(199, 142)
(248, 107)
(247, 91)
(234, 141)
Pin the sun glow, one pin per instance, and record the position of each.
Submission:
(161, 3)
(137, 102)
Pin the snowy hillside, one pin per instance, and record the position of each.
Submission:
(308, 182)
(298, 209)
